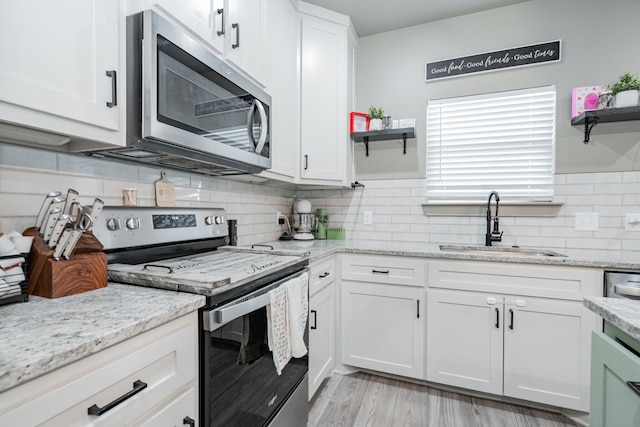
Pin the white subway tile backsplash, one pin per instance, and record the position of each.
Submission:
(398, 214)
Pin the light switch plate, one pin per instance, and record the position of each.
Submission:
(368, 217)
(587, 221)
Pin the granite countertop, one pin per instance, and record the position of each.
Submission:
(318, 249)
(43, 334)
(621, 313)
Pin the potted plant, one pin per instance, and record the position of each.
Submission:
(375, 114)
(626, 90)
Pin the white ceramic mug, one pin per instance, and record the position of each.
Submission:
(22, 243)
(6, 245)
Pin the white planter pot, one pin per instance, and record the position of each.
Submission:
(628, 98)
(375, 124)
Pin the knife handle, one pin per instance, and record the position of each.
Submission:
(62, 243)
(71, 244)
(63, 220)
(54, 214)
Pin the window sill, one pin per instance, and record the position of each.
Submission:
(507, 209)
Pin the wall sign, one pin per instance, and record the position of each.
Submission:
(515, 57)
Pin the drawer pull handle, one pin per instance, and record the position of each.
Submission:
(497, 318)
(188, 421)
(114, 89)
(380, 271)
(635, 386)
(315, 320)
(322, 276)
(418, 309)
(511, 320)
(138, 386)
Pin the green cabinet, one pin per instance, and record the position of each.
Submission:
(614, 401)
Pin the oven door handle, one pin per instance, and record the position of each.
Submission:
(632, 291)
(245, 305)
(224, 315)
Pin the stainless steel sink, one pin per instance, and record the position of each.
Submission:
(501, 250)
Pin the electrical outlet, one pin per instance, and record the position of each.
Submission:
(278, 215)
(587, 221)
(632, 222)
(368, 217)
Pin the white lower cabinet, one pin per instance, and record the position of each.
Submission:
(158, 371)
(322, 323)
(464, 340)
(383, 328)
(383, 314)
(517, 345)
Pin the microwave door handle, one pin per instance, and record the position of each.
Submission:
(264, 127)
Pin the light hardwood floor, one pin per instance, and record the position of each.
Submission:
(363, 399)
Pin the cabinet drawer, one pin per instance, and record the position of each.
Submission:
(164, 358)
(383, 269)
(545, 281)
(322, 273)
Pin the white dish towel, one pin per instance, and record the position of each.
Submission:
(287, 320)
(298, 299)
(278, 327)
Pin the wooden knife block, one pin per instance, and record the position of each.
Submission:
(84, 271)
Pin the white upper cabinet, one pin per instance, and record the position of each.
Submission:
(61, 67)
(200, 17)
(234, 29)
(245, 35)
(282, 83)
(323, 94)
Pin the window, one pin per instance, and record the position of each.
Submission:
(500, 141)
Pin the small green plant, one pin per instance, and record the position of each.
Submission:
(375, 113)
(626, 81)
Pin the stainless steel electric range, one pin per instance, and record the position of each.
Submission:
(183, 249)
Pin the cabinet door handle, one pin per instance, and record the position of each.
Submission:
(237, 28)
(374, 271)
(497, 318)
(306, 161)
(635, 386)
(511, 319)
(322, 276)
(188, 421)
(221, 13)
(114, 90)
(315, 319)
(417, 309)
(138, 386)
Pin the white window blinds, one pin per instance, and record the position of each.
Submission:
(501, 141)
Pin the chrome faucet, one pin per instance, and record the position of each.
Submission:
(494, 235)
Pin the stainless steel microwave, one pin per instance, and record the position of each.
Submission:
(186, 108)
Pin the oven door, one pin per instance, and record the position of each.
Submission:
(240, 385)
(191, 98)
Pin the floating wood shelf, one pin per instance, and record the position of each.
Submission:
(382, 135)
(593, 117)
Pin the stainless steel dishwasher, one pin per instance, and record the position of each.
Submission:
(622, 284)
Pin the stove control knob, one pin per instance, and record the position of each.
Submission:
(208, 220)
(219, 219)
(113, 224)
(132, 223)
